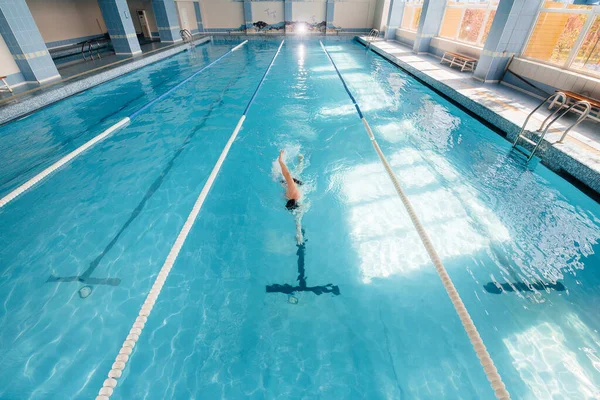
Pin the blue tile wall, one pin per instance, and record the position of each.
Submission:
(166, 19)
(508, 33)
(198, 16)
(429, 25)
(25, 42)
(120, 27)
(394, 18)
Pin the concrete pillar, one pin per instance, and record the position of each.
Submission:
(287, 12)
(167, 21)
(248, 17)
(508, 33)
(394, 18)
(329, 28)
(429, 24)
(120, 27)
(25, 42)
(198, 16)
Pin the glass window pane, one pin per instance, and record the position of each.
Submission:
(450, 22)
(554, 36)
(588, 56)
(471, 25)
(488, 26)
(416, 18)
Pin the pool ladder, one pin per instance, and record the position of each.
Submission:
(374, 34)
(561, 99)
(90, 49)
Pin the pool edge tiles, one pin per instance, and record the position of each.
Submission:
(28, 105)
(561, 159)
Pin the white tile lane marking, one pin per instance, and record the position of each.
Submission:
(36, 179)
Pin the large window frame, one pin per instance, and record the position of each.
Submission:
(591, 14)
(489, 6)
(411, 15)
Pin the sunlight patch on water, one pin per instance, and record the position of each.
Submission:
(546, 363)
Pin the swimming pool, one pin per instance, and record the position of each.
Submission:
(114, 213)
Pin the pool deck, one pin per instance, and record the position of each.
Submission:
(77, 77)
(506, 108)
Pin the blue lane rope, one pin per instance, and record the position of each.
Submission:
(263, 78)
(168, 92)
(360, 114)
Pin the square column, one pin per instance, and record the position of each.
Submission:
(198, 16)
(120, 27)
(25, 42)
(248, 17)
(508, 34)
(429, 24)
(394, 18)
(287, 12)
(167, 21)
(329, 28)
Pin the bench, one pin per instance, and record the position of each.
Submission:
(573, 97)
(465, 63)
(3, 79)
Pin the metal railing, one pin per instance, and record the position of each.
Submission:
(374, 34)
(561, 98)
(186, 35)
(88, 47)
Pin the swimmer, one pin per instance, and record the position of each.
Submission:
(292, 193)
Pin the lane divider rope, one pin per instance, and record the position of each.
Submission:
(98, 138)
(136, 330)
(484, 357)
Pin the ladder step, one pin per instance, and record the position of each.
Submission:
(531, 142)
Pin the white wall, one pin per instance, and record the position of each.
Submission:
(354, 14)
(8, 66)
(222, 14)
(146, 5)
(187, 15)
(556, 77)
(406, 37)
(311, 12)
(67, 19)
(271, 12)
(440, 45)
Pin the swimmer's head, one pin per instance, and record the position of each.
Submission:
(291, 205)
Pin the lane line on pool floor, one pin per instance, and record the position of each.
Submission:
(100, 137)
(136, 330)
(489, 368)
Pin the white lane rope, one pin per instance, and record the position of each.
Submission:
(98, 138)
(136, 330)
(36, 179)
(484, 357)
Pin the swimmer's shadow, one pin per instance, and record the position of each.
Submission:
(302, 286)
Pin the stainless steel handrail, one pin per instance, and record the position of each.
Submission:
(584, 114)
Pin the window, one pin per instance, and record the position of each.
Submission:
(468, 21)
(412, 15)
(566, 35)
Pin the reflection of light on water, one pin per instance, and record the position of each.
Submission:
(384, 235)
(301, 54)
(547, 365)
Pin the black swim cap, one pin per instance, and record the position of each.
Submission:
(291, 204)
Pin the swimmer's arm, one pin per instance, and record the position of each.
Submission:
(286, 174)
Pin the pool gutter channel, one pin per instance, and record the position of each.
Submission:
(136, 330)
(572, 170)
(485, 359)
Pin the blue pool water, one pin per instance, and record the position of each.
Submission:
(214, 332)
